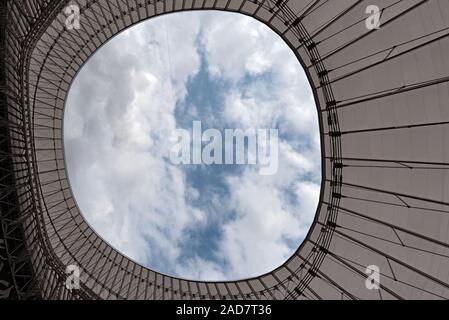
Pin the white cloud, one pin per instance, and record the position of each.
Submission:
(119, 119)
(198, 268)
(119, 113)
(264, 213)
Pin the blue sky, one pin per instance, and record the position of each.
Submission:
(218, 222)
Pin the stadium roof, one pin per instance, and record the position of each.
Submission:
(382, 99)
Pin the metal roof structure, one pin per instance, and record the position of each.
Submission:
(382, 97)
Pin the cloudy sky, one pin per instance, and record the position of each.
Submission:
(194, 221)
